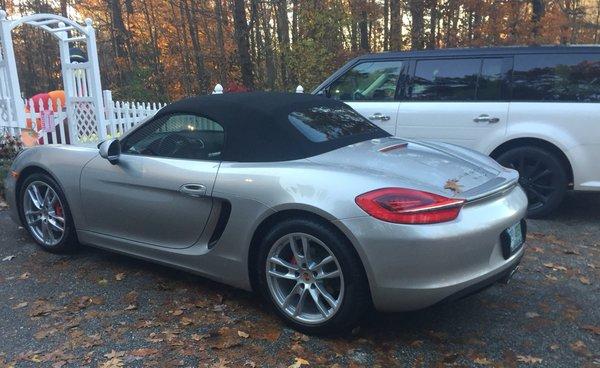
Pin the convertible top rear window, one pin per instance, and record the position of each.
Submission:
(326, 123)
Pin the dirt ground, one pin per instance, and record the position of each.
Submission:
(99, 309)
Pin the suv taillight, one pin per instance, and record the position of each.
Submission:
(409, 206)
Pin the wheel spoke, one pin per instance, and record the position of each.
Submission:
(33, 212)
(281, 275)
(329, 275)
(55, 225)
(34, 196)
(538, 195)
(45, 232)
(32, 222)
(541, 175)
(58, 218)
(282, 263)
(320, 265)
(290, 296)
(294, 248)
(533, 168)
(325, 294)
(300, 303)
(318, 303)
(305, 250)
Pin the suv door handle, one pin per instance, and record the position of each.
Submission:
(484, 118)
(193, 190)
(379, 116)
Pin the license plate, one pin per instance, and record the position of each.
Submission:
(512, 239)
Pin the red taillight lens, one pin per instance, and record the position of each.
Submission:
(409, 206)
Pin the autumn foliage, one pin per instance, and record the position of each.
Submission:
(167, 49)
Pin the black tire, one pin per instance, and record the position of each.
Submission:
(68, 242)
(356, 300)
(543, 176)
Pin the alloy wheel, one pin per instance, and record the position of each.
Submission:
(44, 213)
(305, 278)
(536, 178)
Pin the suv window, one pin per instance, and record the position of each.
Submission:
(370, 81)
(326, 123)
(557, 77)
(445, 80)
(177, 136)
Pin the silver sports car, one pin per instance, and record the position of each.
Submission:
(296, 196)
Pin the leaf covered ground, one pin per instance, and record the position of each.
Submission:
(100, 309)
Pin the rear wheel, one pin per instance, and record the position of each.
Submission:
(46, 215)
(541, 174)
(312, 278)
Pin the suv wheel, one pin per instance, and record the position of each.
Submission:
(312, 278)
(541, 174)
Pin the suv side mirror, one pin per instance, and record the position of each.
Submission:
(110, 149)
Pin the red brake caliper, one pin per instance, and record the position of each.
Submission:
(58, 210)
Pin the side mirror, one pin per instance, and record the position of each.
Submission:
(110, 149)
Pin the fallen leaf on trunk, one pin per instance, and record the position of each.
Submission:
(453, 185)
(482, 361)
(8, 258)
(119, 276)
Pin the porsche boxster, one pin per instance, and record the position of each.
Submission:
(295, 196)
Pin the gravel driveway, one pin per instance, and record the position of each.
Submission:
(100, 309)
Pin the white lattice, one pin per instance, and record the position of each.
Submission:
(85, 120)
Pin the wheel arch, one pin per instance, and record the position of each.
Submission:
(287, 214)
(23, 175)
(540, 143)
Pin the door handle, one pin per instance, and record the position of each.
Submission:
(193, 190)
(486, 119)
(379, 116)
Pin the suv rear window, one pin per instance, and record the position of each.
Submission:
(326, 123)
(557, 77)
(458, 80)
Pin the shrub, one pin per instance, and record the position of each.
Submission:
(10, 146)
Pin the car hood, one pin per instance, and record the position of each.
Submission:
(439, 168)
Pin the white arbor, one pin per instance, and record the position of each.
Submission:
(81, 81)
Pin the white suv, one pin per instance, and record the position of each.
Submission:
(535, 109)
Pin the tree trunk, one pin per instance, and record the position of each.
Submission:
(416, 33)
(395, 25)
(539, 9)
(283, 36)
(270, 72)
(243, 44)
(363, 26)
(220, 38)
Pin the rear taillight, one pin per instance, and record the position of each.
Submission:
(409, 206)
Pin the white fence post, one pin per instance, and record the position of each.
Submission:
(218, 89)
(299, 89)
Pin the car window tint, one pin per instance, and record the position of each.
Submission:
(325, 123)
(445, 80)
(556, 77)
(177, 136)
(371, 81)
(489, 84)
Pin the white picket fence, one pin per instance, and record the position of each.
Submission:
(50, 125)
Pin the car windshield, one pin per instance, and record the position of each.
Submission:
(327, 123)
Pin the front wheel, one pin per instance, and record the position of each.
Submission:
(541, 174)
(46, 214)
(312, 278)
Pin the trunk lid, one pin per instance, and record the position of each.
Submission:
(439, 168)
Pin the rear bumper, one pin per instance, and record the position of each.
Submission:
(411, 267)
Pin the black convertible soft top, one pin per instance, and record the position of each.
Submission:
(257, 127)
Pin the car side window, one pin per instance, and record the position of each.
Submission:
(557, 77)
(445, 80)
(182, 136)
(369, 81)
(491, 80)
